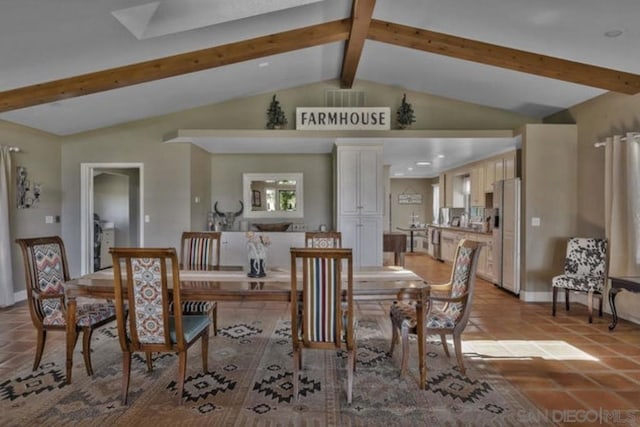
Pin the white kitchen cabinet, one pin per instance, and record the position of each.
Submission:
(477, 186)
(360, 180)
(448, 243)
(233, 248)
(489, 175)
(359, 196)
(108, 241)
(363, 234)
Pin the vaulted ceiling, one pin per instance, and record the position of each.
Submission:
(68, 66)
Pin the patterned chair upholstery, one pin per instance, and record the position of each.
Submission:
(46, 270)
(319, 320)
(323, 239)
(445, 315)
(585, 270)
(149, 277)
(200, 250)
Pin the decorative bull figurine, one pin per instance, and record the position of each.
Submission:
(227, 219)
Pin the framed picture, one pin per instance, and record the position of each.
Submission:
(410, 199)
(256, 200)
(455, 221)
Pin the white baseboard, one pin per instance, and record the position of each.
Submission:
(20, 295)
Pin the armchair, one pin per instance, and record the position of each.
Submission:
(445, 315)
(585, 270)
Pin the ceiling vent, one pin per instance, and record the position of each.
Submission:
(344, 98)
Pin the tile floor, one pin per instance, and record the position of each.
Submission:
(580, 373)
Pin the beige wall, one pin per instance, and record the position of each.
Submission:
(549, 180)
(200, 188)
(317, 170)
(40, 154)
(402, 213)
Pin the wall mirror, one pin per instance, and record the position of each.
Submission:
(273, 195)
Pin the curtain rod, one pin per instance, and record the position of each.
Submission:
(634, 135)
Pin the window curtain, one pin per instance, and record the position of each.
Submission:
(622, 204)
(6, 269)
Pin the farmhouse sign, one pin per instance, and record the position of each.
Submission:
(351, 118)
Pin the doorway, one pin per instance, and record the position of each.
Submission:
(111, 211)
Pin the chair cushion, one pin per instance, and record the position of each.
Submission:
(86, 315)
(405, 315)
(192, 325)
(579, 283)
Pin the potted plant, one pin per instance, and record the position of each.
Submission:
(405, 114)
(275, 116)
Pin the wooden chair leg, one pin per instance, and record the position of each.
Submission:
(296, 371)
(350, 366)
(149, 357)
(566, 299)
(405, 351)
(41, 339)
(443, 340)
(394, 338)
(214, 320)
(126, 373)
(205, 351)
(553, 301)
(590, 305)
(86, 349)
(182, 372)
(457, 344)
(600, 306)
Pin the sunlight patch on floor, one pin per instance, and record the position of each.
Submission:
(524, 349)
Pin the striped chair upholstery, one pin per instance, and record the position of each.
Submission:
(200, 250)
(585, 270)
(146, 323)
(46, 271)
(320, 320)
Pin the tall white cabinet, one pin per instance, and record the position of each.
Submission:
(359, 201)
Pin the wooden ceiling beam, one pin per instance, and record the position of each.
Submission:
(503, 57)
(175, 65)
(361, 14)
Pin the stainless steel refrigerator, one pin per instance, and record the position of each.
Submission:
(506, 234)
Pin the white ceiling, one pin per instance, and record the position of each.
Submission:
(41, 41)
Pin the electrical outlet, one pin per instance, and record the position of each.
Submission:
(535, 221)
(48, 219)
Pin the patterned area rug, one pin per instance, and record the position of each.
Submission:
(249, 382)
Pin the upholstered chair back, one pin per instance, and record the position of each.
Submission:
(586, 257)
(323, 239)
(200, 250)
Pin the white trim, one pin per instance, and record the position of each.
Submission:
(86, 208)
(20, 295)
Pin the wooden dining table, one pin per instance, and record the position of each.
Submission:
(232, 284)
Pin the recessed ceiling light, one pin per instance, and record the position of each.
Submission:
(398, 174)
(423, 163)
(263, 64)
(441, 156)
(613, 33)
(409, 169)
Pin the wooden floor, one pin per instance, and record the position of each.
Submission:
(575, 370)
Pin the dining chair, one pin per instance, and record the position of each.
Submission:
(323, 239)
(585, 270)
(446, 314)
(319, 320)
(200, 250)
(145, 279)
(46, 271)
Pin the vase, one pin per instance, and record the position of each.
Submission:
(257, 257)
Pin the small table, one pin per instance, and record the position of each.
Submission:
(628, 283)
(411, 230)
(396, 243)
